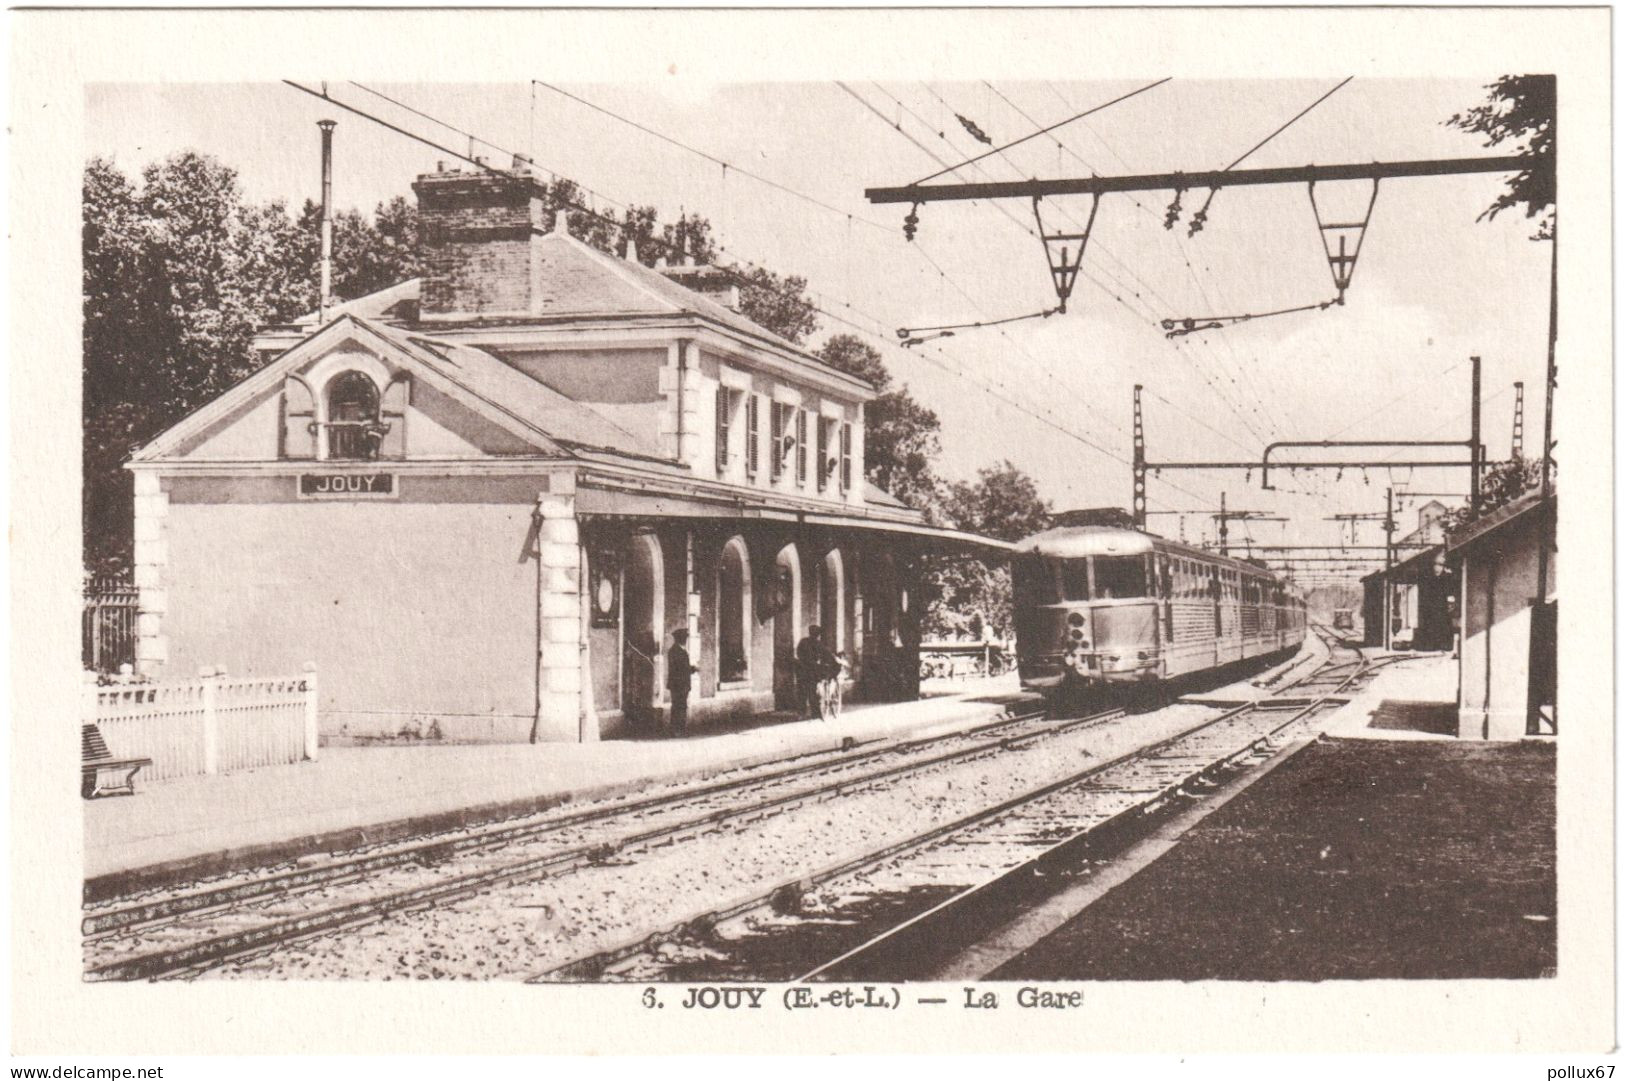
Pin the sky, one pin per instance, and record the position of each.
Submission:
(1433, 286)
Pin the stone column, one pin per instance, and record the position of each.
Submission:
(151, 556)
(558, 670)
(682, 386)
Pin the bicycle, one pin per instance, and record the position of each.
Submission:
(829, 698)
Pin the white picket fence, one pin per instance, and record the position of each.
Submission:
(212, 724)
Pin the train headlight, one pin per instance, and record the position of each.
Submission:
(1075, 619)
(1077, 634)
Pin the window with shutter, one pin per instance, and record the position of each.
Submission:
(780, 449)
(724, 423)
(801, 448)
(823, 453)
(846, 457)
(752, 434)
(354, 426)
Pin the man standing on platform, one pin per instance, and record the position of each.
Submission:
(814, 664)
(679, 678)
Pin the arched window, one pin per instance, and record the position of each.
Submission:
(733, 613)
(354, 427)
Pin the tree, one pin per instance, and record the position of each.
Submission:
(973, 597)
(1522, 109)
(1500, 485)
(179, 272)
(901, 437)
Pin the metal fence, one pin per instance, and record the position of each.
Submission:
(963, 660)
(107, 626)
(213, 724)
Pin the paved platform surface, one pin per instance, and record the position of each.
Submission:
(1409, 699)
(1354, 859)
(351, 795)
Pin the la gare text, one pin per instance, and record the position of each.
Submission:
(869, 996)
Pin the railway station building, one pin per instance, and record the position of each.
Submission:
(1508, 676)
(482, 500)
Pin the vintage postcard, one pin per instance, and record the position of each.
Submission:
(766, 530)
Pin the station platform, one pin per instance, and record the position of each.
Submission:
(353, 795)
(1354, 859)
(1348, 856)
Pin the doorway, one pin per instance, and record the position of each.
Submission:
(643, 600)
(786, 607)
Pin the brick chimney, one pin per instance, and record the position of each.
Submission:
(710, 281)
(478, 233)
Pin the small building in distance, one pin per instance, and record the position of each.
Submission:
(482, 501)
(1508, 677)
(1420, 588)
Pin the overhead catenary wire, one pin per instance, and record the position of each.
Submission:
(1115, 294)
(1149, 315)
(712, 158)
(1200, 217)
(1101, 249)
(906, 332)
(623, 225)
(811, 200)
(1044, 131)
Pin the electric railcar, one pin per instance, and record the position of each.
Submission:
(1100, 604)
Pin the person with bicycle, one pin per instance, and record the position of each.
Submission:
(815, 664)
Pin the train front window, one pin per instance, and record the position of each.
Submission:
(1074, 579)
(1034, 581)
(1117, 577)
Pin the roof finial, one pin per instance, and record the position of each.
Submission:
(561, 221)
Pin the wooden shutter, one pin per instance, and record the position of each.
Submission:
(722, 430)
(777, 433)
(823, 453)
(752, 434)
(392, 411)
(298, 415)
(846, 457)
(801, 447)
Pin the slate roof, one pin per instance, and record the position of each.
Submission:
(563, 418)
(579, 281)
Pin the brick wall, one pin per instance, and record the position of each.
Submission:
(477, 238)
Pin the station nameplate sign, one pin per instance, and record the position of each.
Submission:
(346, 485)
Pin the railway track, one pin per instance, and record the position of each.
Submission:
(884, 913)
(184, 933)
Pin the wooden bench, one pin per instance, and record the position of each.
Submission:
(100, 774)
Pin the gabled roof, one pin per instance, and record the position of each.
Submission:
(535, 413)
(576, 281)
(563, 419)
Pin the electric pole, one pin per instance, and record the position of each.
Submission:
(1517, 422)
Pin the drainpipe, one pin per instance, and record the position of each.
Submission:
(326, 299)
(536, 521)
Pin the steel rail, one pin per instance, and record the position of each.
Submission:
(941, 911)
(208, 953)
(146, 914)
(589, 967)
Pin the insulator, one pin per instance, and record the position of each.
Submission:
(1174, 210)
(911, 222)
